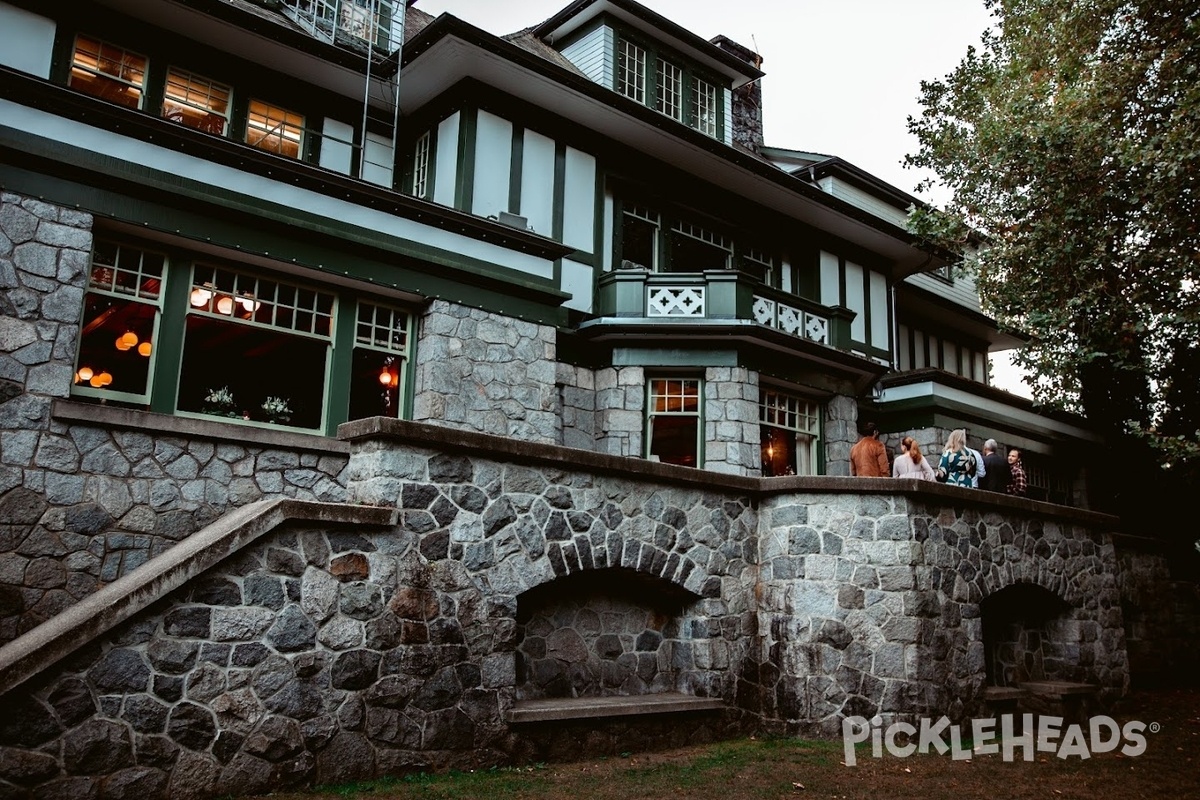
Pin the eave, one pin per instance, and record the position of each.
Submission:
(450, 50)
(579, 13)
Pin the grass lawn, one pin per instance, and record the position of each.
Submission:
(797, 768)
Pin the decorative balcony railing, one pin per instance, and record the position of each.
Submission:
(790, 319)
(720, 295)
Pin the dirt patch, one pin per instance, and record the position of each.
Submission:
(793, 768)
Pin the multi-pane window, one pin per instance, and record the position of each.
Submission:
(669, 99)
(108, 72)
(673, 421)
(196, 101)
(255, 348)
(381, 360)
(631, 71)
(696, 249)
(120, 322)
(420, 182)
(704, 107)
(790, 434)
(639, 237)
(274, 129)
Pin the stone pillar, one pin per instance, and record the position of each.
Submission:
(486, 372)
(731, 429)
(841, 432)
(621, 411)
(577, 399)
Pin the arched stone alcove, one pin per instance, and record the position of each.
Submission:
(1029, 634)
(608, 632)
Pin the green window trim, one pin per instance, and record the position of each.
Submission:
(665, 81)
(189, 296)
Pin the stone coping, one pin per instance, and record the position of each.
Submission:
(485, 445)
(998, 694)
(1058, 689)
(556, 709)
(63, 634)
(170, 425)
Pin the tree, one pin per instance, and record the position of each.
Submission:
(1070, 142)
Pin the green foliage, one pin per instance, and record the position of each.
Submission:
(1070, 141)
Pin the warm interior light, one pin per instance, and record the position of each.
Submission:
(200, 297)
(96, 382)
(225, 305)
(122, 344)
(130, 339)
(249, 303)
(144, 349)
(85, 373)
(385, 378)
(104, 377)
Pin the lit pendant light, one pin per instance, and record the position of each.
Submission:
(121, 344)
(225, 305)
(130, 339)
(144, 349)
(105, 378)
(85, 374)
(200, 297)
(249, 303)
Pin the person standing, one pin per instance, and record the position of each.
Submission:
(956, 465)
(868, 458)
(998, 474)
(1017, 484)
(980, 467)
(910, 463)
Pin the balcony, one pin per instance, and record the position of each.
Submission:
(719, 296)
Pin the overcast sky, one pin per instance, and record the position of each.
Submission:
(842, 76)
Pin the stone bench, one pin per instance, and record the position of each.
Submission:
(555, 709)
(1072, 701)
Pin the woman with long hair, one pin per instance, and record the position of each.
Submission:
(957, 465)
(910, 463)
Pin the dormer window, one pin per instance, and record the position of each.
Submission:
(631, 72)
(109, 72)
(704, 107)
(670, 90)
(671, 85)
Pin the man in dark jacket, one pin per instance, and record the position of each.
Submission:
(998, 474)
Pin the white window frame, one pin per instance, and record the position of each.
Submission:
(705, 108)
(669, 97)
(798, 415)
(674, 405)
(631, 71)
(420, 181)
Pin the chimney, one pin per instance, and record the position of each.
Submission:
(747, 98)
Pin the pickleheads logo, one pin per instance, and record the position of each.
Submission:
(1046, 734)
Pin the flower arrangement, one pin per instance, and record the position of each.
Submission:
(220, 402)
(277, 409)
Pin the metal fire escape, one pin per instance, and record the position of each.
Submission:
(375, 30)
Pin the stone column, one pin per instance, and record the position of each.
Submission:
(731, 429)
(486, 372)
(841, 432)
(621, 411)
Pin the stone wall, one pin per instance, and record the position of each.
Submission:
(486, 372)
(872, 604)
(1162, 615)
(96, 501)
